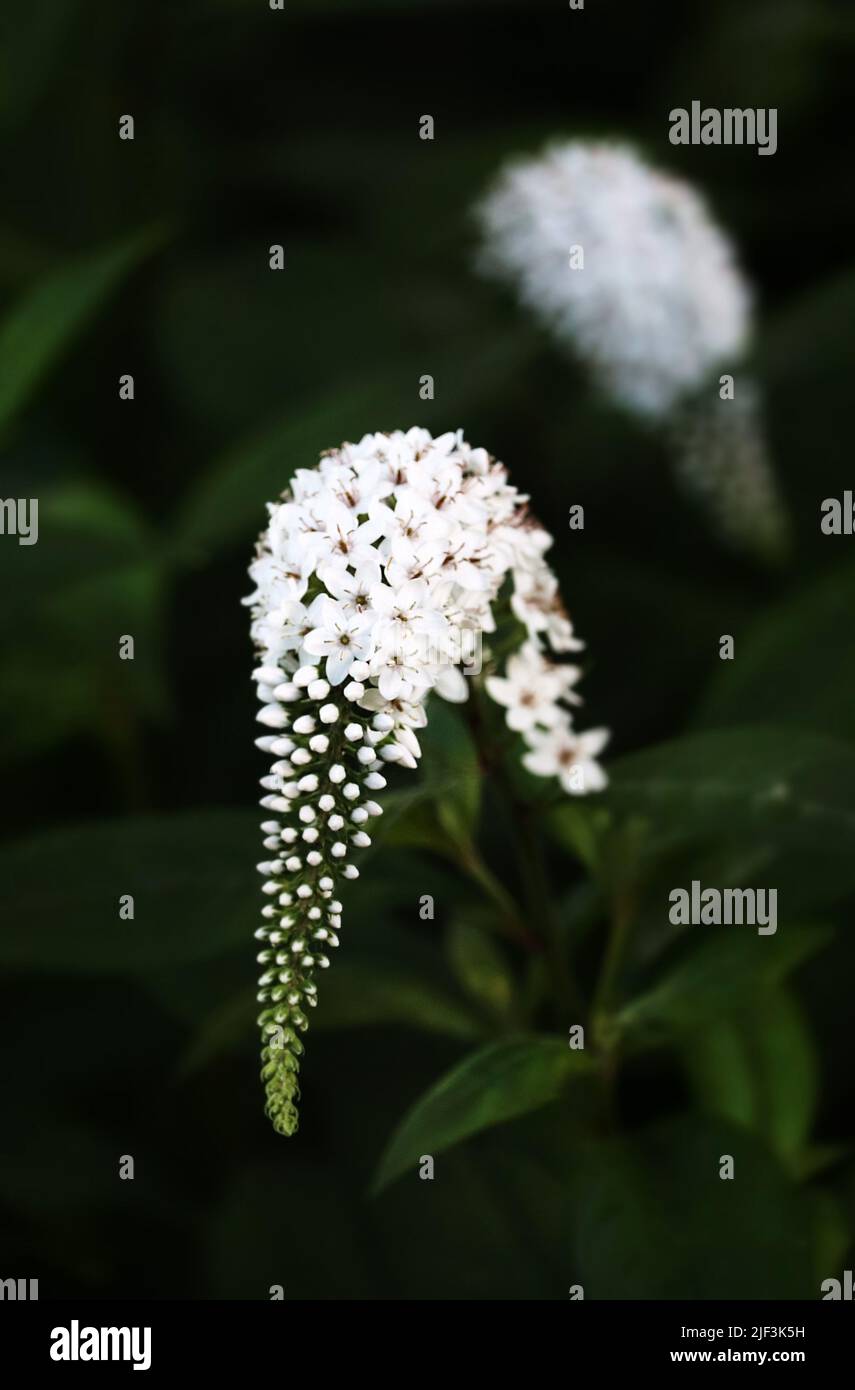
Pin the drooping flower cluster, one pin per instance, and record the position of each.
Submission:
(375, 571)
(656, 301)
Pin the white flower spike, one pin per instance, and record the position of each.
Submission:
(627, 268)
(659, 301)
(375, 569)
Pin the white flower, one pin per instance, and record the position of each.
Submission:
(353, 590)
(398, 666)
(450, 684)
(340, 637)
(659, 302)
(570, 757)
(408, 560)
(361, 487)
(409, 631)
(532, 688)
(342, 540)
(537, 603)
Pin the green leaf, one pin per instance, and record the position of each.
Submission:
(98, 695)
(480, 965)
(832, 1237)
(84, 531)
(785, 795)
(794, 663)
(234, 377)
(391, 972)
(495, 1224)
(417, 826)
(656, 1221)
(229, 1025)
(227, 504)
(452, 772)
(758, 1068)
(440, 814)
(726, 968)
(33, 45)
(582, 830)
(820, 316)
(94, 575)
(191, 875)
(48, 316)
(762, 775)
(497, 1083)
(366, 988)
(360, 993)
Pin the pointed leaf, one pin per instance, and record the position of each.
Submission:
(191, 876)
(758, 1068)
(795, 664)
(47, 317)
(497, 1083)
(718, 972)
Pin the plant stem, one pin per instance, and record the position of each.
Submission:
(513, 924)
(540, 900)
(532, 867)
(622, 914)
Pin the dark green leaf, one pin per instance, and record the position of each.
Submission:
(497, 1083)
(32, 45)
(795, 664)
(452, 771)
(656, 1221)
(228, 503)
(363, 993)
(45, 320)
(84, 531)
(728, 966)
(381, 975)
(778, 796)
(766, 776)
(191, 875)
(758, 1068)
(480, 965)
(94, 576)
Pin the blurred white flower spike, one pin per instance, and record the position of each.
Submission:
(659, 301)
(626, 267)
(374, 568)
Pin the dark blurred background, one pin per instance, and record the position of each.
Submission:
(150, 257)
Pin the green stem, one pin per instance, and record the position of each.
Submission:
(602, 1029)
(546, 938)
(622, 915)
(539, 897)
(604, 1034)
(511, 919)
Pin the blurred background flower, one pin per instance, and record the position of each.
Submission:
(627, 268)
(653, 302)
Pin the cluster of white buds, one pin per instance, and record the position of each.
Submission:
(374, 570)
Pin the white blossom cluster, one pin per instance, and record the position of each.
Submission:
(374, 568)
(658, 302)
